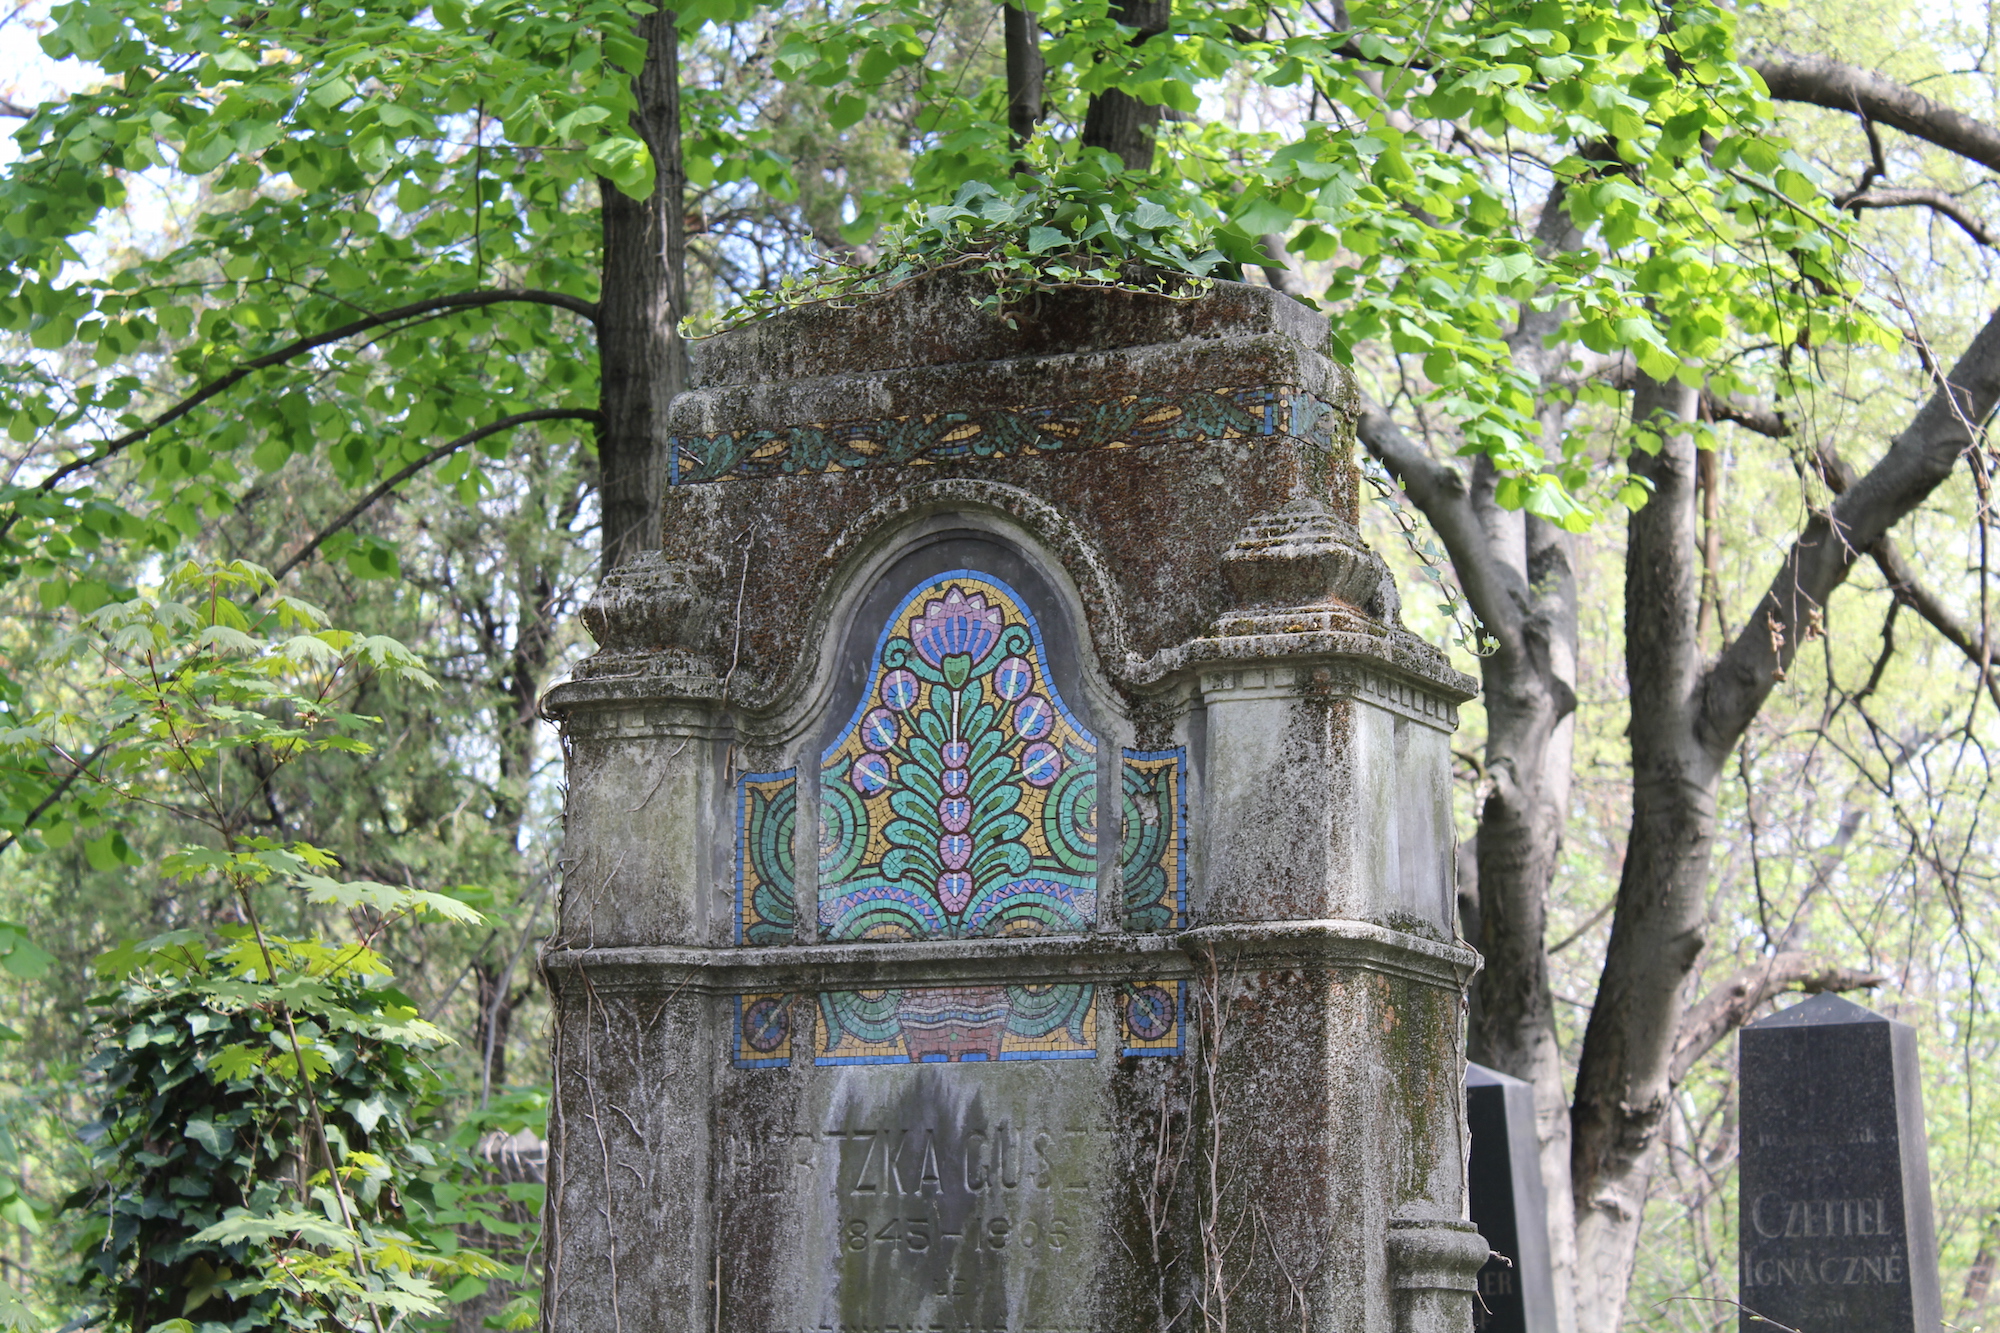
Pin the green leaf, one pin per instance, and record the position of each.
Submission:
(623, 160)
(845, 109)
(1259, 214)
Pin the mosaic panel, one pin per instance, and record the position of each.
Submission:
(1127, 421)
(763, 1031)
(957, 1023)
(1152, 852)
(767, 815)
(961, 800)
(1152, 1017)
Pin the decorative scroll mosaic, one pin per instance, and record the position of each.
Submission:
(767, 815)
(1128, 421)
(961, 800)
(1152, 853)
(763, 1031)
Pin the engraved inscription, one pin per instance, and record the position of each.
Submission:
(944, 1223)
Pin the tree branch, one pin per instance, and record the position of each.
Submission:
(1752, 416)
(299, 347)
(1935, 200)
(1441, 493)
(1917, 463)
(1730, 1005)
(361, 506)
(1817, 81)
(1903, 583)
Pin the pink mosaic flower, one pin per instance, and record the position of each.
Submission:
(957, 624)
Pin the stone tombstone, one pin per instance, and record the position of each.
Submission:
(1834, 1188)
(1006, 818)
(1504, 1183)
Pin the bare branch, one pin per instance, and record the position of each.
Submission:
(1838, 474)
(1935, 200)
(1903, 582)
(1826, 550)
(9, 107)
(1730, 1005)
(1817, 81)
(1440, 491)
(299, 347)
(361, 506)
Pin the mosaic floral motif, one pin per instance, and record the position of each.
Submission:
(1128, 421)
(763, 1031)
(1152, 853)
(957, 1023)
(1152, 1017)
(961, 801)
(767, 815)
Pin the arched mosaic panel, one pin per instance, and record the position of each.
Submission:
(961, 799)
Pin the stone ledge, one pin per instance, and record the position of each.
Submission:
(1392, 668)
(931, 321)
(1227, 389)
(1036, 959)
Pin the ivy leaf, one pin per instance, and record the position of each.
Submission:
(217, 1139)
(1042, 239)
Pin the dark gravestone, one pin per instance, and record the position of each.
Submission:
(1504, 1177)
(1835, 1201)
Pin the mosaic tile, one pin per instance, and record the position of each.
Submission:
(1152, 1018)
(961, 800)
(763, 1031)
(957, 1024)
(767, 816)
(1127, 421)
(1152, 852)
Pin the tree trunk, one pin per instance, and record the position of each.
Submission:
(1024, 72)
(1116, 120)
(642, 299)
(1523, 802)
(1624, 1078)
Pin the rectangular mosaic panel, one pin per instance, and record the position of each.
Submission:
(955, 1024)
(1127, 421)
(763, 1031)
(767, 811)
(1152, 853)
(960, 802)
(1152, 1018)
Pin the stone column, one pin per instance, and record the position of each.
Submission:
(1009, 841)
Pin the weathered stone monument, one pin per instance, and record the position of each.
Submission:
(1008, 847)
(1508, 1204)
(1834, 1182)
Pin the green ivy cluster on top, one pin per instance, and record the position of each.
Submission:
(1067, 224)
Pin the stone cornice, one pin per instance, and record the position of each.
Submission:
(1260, 946)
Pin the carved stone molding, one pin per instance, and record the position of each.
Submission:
(1301, 558)
(647, 618)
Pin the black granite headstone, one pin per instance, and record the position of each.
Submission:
(1835, 1186)
(1504, 1176)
